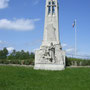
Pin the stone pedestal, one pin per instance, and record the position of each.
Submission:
(50, 58)
(49, 67)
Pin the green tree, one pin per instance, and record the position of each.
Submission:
(32, 55)
(3, 53)
(12, 55)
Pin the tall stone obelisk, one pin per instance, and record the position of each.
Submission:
(50, 56)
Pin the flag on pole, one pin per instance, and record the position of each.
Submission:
(74, 23)
(74, 26)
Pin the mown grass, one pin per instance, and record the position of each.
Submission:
(21, 78)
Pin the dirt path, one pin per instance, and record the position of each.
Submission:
(16, 65)
(78, 67)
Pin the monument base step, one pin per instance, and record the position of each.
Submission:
(49, 67)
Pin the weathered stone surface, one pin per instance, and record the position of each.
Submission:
(49, 67)
(50, 56)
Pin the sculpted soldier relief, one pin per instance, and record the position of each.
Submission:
(48, 55)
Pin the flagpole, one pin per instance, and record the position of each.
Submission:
(75, 39)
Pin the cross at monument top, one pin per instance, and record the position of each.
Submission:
(51, 6)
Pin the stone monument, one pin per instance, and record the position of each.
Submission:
(50, 56)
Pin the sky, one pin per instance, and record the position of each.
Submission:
(22, 24)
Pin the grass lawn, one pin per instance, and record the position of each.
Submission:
(21, 78)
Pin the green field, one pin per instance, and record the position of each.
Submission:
(21, 78)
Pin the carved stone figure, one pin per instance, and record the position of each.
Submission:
(49, 54)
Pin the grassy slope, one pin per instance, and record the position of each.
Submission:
(20, 78)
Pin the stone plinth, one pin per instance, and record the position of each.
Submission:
(50, 58)
(49, 67)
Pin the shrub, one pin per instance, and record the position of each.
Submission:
(4, 61)
(77, 62)
(29, 62)
(15, 62)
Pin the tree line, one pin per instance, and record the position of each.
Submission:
(21, 55)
